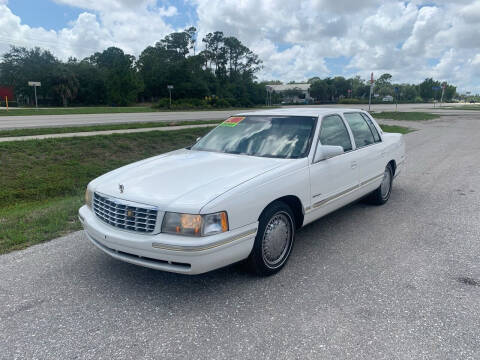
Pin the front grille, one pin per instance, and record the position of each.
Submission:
(124, 215)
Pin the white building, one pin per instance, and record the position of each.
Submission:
(303, 91)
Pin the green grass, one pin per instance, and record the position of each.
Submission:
(101, 110)
(42, 182)
(75, 129)
(76, 110)
(462, 107)
(405, 116)
(396, 129)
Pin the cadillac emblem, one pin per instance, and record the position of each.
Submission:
(121, 188)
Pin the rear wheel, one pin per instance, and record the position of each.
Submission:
(381, 195)
(274, 240)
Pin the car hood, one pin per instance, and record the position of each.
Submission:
(183, 180)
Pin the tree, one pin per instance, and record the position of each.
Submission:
(426, 89)
(122, 82)
(65, 84)
(21, 65)
(319, 90)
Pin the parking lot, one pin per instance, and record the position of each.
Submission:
(400, 281)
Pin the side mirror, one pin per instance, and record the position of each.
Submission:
(198, 139)
(325, 152)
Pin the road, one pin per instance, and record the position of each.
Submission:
(400, 281)
(40, 121)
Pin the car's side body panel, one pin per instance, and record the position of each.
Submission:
(245, 203)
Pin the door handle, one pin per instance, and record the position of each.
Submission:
(353, 164)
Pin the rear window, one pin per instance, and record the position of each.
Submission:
(361, 131)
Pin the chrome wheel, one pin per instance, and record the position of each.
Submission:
(277, 240)
(386, 184)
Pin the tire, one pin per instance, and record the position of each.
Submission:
(381, 195)
(274, 240)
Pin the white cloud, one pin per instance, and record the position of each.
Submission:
(295, 39)
(131, 25)
(411, 40)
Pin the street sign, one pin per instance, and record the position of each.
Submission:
(169, 87)
(35, 84)
(396, 89)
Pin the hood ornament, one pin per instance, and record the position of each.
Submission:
(121, 188)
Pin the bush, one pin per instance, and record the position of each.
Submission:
(222, 103)
(192, 104)
(349, 101)
(10, 103)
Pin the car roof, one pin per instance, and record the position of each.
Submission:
(300, 111)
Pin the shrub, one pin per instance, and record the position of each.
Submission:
(222, 103)
(349, 101)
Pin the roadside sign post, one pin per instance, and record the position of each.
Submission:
(396, 98)
(6, 102)
(443, 91)
(370, 97)
(170, 87)
(435, 88)
(35, 84)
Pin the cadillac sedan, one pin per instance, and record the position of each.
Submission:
(242, 191)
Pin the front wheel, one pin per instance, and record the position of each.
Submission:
(381, 195)
(274, 240)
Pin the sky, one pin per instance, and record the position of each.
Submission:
(296, 40)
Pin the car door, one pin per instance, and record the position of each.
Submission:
(368, 145)
(333, 180)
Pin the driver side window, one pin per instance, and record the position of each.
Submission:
(334, 132)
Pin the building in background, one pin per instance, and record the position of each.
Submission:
(292, 93)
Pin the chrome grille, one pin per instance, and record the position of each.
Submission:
(124, 215)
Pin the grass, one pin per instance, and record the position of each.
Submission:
(75, 129)
(100, 110)
(396, 129)
(42, 182)
(405, 116)
(462, 107)
(76, 110)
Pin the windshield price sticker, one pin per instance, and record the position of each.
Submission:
(232, 121)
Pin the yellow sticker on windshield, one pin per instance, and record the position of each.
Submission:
(232, 121)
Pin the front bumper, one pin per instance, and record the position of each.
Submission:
(174, 253)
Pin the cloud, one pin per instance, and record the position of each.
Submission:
(131, 25)
(403, 38)
(296, 40)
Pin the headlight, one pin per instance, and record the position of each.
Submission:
(88, 197)
(195, 225)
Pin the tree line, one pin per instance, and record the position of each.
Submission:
(334, 89)
(222, 74)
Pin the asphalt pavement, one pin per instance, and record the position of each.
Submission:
(399, 281)
(41, 121)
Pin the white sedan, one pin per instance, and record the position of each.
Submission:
(241, 191)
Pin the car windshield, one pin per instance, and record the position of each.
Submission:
(268, 136)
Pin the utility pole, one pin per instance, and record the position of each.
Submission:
(443, 91)
(371, 86)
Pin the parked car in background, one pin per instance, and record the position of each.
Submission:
(242, 191)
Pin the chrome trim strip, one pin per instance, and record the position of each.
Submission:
(206, 247)
(366, 182)
(345, 192)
